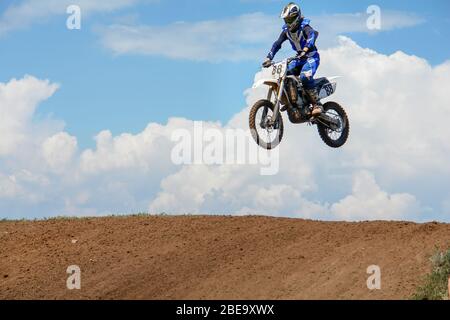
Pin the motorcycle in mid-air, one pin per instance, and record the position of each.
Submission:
(266, 121)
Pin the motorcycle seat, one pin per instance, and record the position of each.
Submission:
(320, 82)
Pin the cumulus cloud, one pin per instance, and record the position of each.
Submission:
(59, 150)
(393, 166)
(233, 39)
(25, 144)
(399, 117)
(369, 201)
(18, 102)
(391, 144)
(125, 151)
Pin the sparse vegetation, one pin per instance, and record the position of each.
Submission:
(141, 214)
(435, 286)
(60, 218)
(68, 218)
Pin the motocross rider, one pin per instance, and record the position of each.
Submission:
(302, 38)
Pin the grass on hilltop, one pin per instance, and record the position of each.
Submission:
(435, 284)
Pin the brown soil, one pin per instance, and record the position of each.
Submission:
(197, 257)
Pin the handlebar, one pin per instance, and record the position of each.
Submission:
(289, 60)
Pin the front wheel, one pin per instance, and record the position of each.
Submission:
(336, 137)
(265, 130)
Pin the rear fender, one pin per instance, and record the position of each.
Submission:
(328, 88)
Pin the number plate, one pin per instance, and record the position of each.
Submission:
(278, 70)
(328, 89)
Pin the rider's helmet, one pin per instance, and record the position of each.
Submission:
(291, 15)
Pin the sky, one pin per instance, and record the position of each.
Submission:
(88, 114)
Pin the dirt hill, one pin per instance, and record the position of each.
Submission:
(198, 257)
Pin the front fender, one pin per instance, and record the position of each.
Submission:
(266, 82)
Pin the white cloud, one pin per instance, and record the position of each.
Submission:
(126, 150)
(398, 109)
(390, 138)
(59, 150)
(357, 22)
(21, 138)
(205, 40)
(369, 202)
(18, 101)
(29, 12)
(398, 112)
(245, 37)
(8, 187)
(16, 187)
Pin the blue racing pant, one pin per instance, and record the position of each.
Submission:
(306, 69)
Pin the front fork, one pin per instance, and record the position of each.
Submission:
(276, 111)
(264, 123)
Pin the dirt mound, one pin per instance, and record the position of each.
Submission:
(198, 257)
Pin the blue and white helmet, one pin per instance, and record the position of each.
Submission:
(291, 13)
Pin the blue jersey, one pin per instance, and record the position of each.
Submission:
(306, 36)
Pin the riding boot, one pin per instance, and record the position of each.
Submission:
(315, 101)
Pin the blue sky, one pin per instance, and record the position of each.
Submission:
(125, 92)
(136, 64)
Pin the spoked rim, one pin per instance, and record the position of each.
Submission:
(335, 134)
(268, 135)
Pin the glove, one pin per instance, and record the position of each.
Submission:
(267, 63)
(302, 55)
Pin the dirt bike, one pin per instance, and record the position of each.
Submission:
(290, 97)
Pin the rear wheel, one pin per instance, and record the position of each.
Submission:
(266, 132)
(336, 137)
